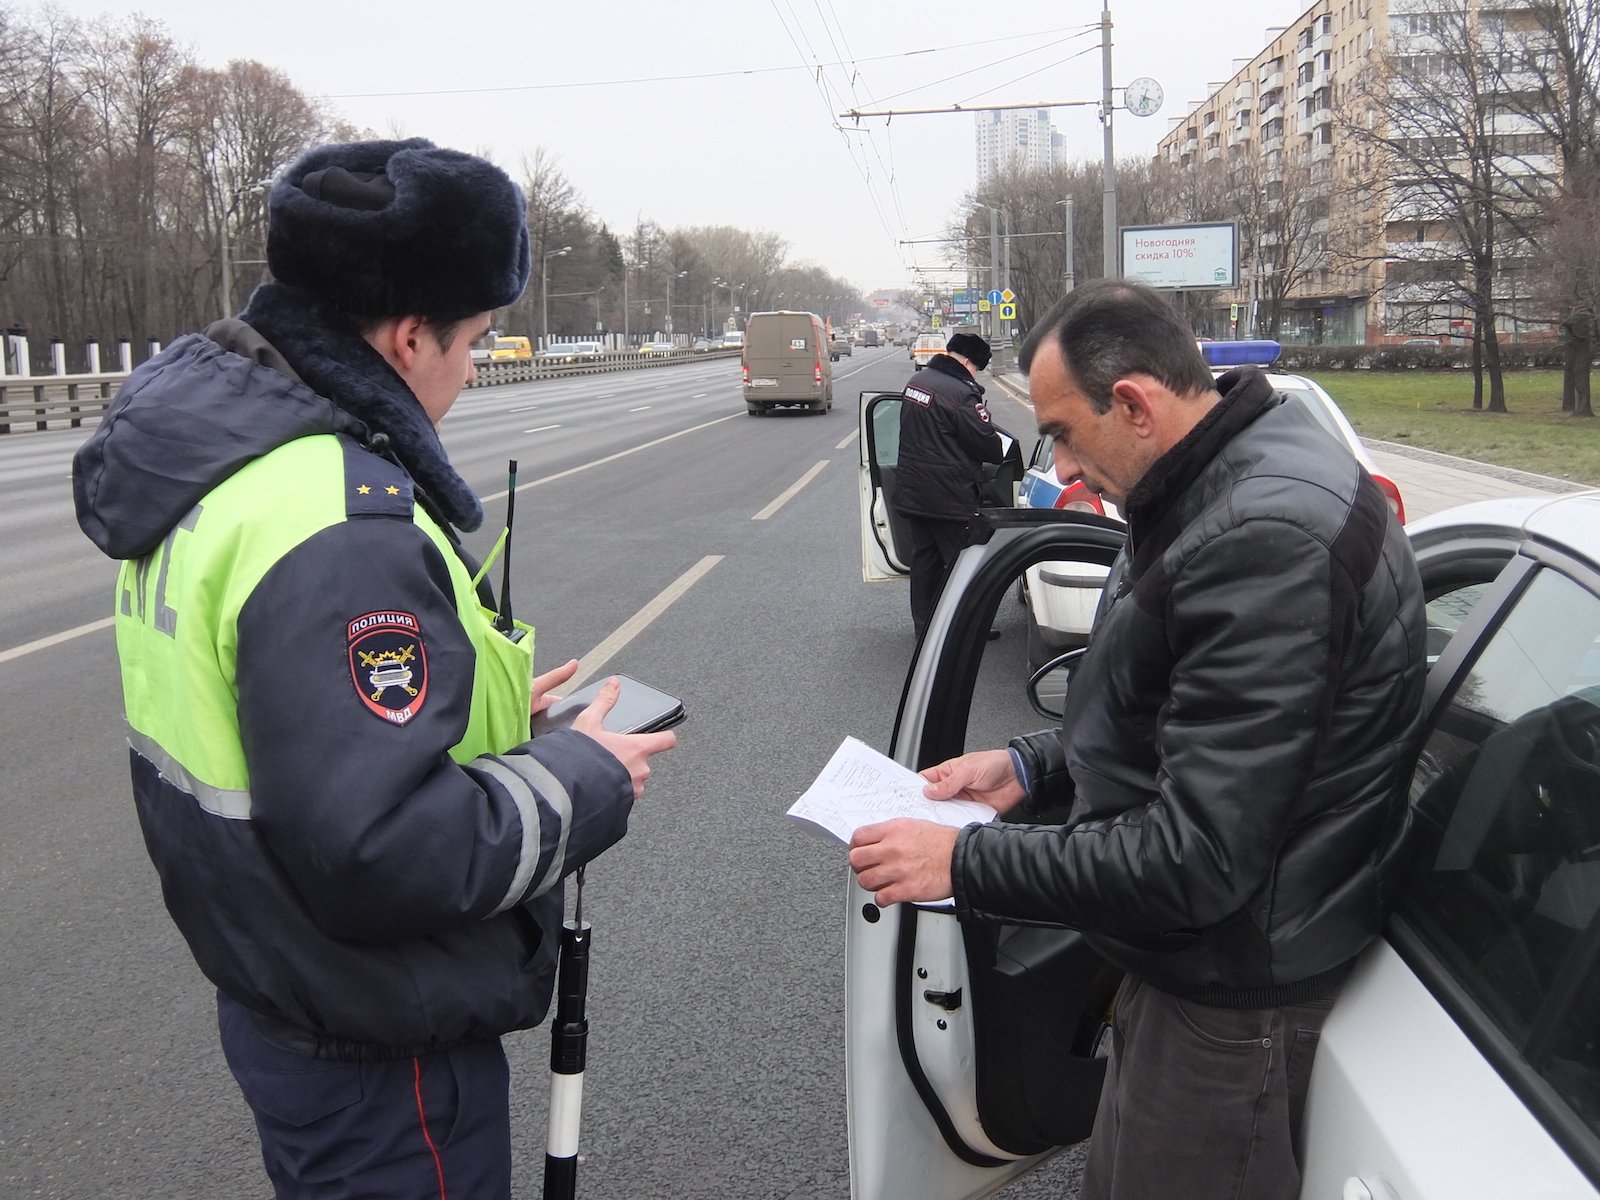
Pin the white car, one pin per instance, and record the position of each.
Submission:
(657, 348)
(573, 352)
(1062, 596)
(1462, 1058)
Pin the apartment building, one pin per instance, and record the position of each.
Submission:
(1013, 140)
(1305, 145)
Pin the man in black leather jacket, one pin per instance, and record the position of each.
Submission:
(945, 438)
(1236, 748)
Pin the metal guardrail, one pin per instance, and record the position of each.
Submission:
(37, 401)
(493, 373)
(42, 402)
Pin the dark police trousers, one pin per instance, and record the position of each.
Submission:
(1201, 1103)
(934, 547)
(434, 1126)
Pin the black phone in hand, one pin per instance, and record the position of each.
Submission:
(640, 708)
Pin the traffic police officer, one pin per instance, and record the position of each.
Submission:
(945, 438)
(329, 736)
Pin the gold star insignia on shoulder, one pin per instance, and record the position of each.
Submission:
(392, 490)
(363, 489)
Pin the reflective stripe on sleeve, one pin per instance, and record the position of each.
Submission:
(219, 802)
(520, 783)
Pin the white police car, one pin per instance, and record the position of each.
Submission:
(1062, 596)
(1462, 1058)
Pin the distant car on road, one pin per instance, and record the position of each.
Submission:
(657, 347)
(733, 340)
(704, 346)
(839, 348)
(925, 347)
(511, 349)
(573, 352)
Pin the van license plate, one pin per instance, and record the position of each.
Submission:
(763, 383)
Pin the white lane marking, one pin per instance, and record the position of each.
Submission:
(522, 487)
(847, 441)
(641, 408)
(55, 639)
(541, 429)
(591, 662)
(699, 395)
(524, 408)
(790, 493)
(605, 395)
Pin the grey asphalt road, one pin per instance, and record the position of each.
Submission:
(716, 995)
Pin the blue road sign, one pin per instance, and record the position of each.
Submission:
(994, 296)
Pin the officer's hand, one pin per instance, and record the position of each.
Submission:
(903, 859)
(543, 697)
(633, 750)
(986, 776)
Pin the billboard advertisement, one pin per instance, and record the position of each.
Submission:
(964, 301)
(1182, 256)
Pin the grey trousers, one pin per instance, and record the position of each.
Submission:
(1201, 1103)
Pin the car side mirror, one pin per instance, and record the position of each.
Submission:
(1047, 687)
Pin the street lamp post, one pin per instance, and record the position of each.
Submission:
(544, 292)
(670, 277)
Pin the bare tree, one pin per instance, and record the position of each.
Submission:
(1431, 115)
(1550, 76)
(1570, 271)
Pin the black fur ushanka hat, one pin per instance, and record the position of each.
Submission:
(384, 229)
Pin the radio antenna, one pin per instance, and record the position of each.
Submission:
(504, 622)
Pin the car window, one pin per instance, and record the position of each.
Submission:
(1043, 454)
(1446, 612)
(886, 433)
(1507, 890)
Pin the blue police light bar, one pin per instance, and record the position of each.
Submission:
(1247, 353)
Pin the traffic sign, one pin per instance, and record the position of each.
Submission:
(986, 304)
(1008, 297)
(994, 296)
(937, 322)
(1008, 312)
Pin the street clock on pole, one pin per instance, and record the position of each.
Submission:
(1143, 97)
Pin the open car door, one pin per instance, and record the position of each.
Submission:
(973, 1050)
(885, 541)
(885, 538)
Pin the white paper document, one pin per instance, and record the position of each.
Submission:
(860, 787)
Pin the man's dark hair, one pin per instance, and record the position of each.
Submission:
(1109, 329)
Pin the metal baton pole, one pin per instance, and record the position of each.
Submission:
(569, 1046)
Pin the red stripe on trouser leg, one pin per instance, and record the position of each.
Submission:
(422, 1119)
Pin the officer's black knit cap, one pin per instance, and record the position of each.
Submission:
(385, 229)
(972, 348)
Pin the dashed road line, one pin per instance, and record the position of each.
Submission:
(790, 492)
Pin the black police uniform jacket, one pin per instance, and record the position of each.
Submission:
(1238, 740)
(945, 438)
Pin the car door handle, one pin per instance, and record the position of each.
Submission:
(1356, 1188)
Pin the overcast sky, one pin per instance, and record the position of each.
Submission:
(698, 112)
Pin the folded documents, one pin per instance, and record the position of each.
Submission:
(860, 787)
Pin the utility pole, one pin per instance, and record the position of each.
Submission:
(1071, 277)
(1111, 268)
(994, 267)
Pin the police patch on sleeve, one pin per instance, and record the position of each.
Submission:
(388, 664)
(983, 413)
